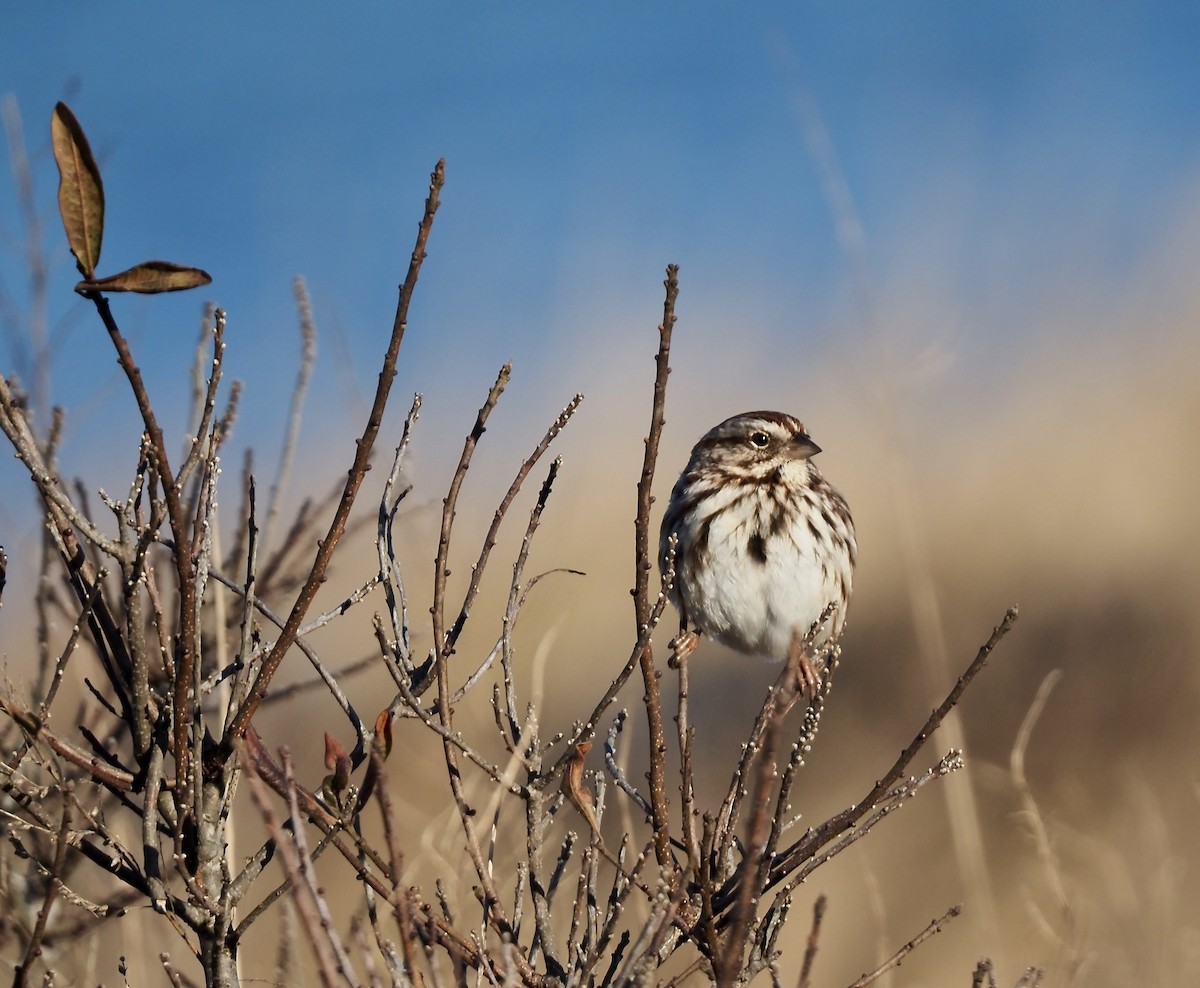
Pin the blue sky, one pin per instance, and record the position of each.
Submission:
(999, 157)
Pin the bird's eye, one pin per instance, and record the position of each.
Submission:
(760, 440)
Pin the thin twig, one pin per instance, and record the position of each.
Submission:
(814, 937)
(936, 926)
(210, 397)
(33, 948)
(753, 872)
(327, 677)
(614, 769)
(801, 850)
(354, 479)
(308, 356)
(516, 598)
(327, 965)
(489, 540)
(400, 899)
(443, 647)
(687, 782)
(641, 587)
(389, 568)
(587, 730)
(187, 640)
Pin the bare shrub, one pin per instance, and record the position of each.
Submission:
(138, 801)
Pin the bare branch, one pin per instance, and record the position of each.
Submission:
(308, 356)
(643, 563)
(354, 479)
(807, 846)
(936, 926)
(33, 947)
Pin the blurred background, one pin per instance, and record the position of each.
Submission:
(959, 240)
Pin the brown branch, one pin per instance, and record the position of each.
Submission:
(326, 676)
(33, 949)
(115, 778)
(641, 590)
(803, 849)
(936, 926)
(588, 730)
(753, 871)
(442, 646)
(294, 867)
(645, 499)
(399, 899)
(489, 540)
(210, 396)
(255, 759)
(687, 771)
(183, 700)
(394, 592)
(354, 479)
(516, 599)
(814, 937)
(63, 518)
(15, 425)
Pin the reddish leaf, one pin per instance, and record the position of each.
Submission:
(149, 278)
(381, 747)
(335, 751)
(80, 191)
(383, 731)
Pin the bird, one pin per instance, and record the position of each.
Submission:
(761, 547)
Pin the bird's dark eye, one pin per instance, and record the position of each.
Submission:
(760, 439)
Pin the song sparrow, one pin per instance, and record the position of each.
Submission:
(765, 546)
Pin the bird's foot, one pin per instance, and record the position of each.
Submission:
(681, 646)
(808, 677)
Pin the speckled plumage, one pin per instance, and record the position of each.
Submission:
(765, 544)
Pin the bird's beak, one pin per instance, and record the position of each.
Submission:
(802, 446)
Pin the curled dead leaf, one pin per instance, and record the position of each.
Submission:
(148, 278)
(383, 731)
(574, 788)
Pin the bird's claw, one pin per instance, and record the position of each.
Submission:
(681, 646)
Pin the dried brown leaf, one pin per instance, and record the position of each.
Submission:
(80, 191)
(148, 278)
(574, 788)
(335, 751)
(383, 731)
